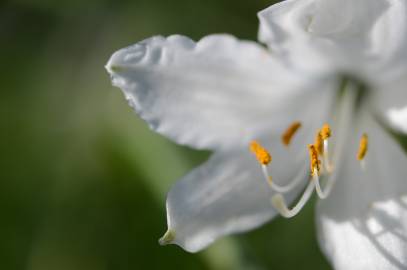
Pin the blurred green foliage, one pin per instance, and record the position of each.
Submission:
(83, 180)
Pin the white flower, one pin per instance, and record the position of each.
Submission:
(221, 93)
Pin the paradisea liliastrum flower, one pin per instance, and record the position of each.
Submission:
(318, 101)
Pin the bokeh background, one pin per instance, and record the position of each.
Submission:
(83, 180)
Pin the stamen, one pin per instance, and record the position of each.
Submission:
(290, 132)
(345, 113)
(264, 159)
(314, 160)
(280, 205)
(261, 153)
(319, 143)
(278, 200)
(326, 132)
(363, 147)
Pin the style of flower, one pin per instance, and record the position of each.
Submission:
(320, 101)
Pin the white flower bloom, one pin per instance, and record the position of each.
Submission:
(221, 93)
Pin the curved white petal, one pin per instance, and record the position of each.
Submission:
(354, 36)
(216, 93)
(363, 224)
(223, 196)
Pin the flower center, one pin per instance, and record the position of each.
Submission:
(351, 95)
(320, 166)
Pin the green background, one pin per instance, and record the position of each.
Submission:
(83, 180)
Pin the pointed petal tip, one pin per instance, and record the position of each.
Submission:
(111, 67)
(114, 68)
(168, 238)
(116, 62)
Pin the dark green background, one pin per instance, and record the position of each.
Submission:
(83, 180)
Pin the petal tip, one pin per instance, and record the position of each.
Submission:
(168, 238)
(114, 68)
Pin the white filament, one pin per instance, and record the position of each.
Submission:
(282, 189)
(326, 162)
(322, 194)
(363, 164)
(280, 205)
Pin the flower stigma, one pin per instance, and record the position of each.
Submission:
(290, 132)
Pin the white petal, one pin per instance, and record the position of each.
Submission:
(351, 35)
(215, 93)
(363, 224)
(221, 197)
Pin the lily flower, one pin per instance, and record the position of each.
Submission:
(319, 101)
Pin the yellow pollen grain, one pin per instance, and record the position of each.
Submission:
(290, 132)
(326, 132)
(261, 153)
(314, 160)
(363, 147)
(319, 143)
